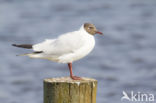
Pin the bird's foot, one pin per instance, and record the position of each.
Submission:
(76, 78)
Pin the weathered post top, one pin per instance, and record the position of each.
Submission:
(66, 90)
(69, 80)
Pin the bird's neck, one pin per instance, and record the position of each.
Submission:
(82, 28)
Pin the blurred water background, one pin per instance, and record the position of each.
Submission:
(123, 59)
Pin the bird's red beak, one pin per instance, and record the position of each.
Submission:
(99, 32)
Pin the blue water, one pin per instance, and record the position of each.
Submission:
(124, 59)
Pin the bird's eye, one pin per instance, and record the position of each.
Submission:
(90, 27)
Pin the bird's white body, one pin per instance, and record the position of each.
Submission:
(66, 48)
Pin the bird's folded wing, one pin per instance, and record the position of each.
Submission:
(64, 44)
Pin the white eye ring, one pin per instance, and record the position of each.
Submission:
(89, 27)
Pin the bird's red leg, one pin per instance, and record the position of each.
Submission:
(71, 73)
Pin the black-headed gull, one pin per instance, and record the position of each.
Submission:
(67, 48)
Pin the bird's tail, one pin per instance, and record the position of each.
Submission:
(27, 46)
(26, 54)
(32, 55)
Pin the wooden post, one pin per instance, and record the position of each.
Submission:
(66, 90)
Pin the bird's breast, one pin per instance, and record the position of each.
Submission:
(86, 48)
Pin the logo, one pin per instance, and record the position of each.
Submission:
(137, 97)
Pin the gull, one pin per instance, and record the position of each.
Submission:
(66, 48)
